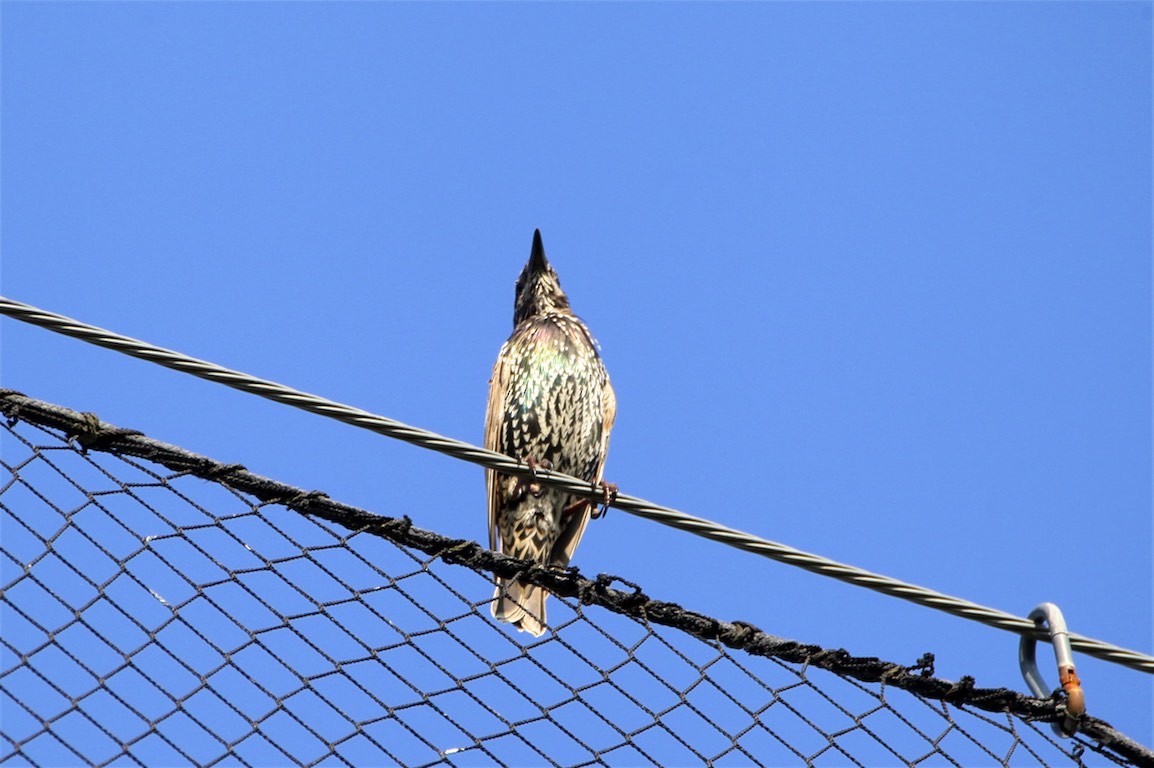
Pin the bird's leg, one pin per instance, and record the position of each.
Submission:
(609, 495)
(574, 508)
(532, 486)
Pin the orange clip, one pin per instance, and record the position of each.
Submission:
(1075, 699)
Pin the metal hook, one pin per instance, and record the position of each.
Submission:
(1050, 615)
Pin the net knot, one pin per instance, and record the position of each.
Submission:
(10, 409)
(828, 655)
(597, 591)
(459, 551)
(91, 432)
(302, 501)
(924, 666)
(738, 634)
(892, 670)
(605, 580)
(395, 526)
(961, 691)
(218, 472)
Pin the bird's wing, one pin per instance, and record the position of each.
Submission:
(609, 403)
(571, 537)
(494, 417)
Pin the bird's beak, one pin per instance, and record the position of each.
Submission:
(537, 260)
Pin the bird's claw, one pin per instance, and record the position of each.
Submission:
(609, 495)
(533, 464)
(532, 486)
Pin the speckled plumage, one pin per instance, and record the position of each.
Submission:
(549, 401)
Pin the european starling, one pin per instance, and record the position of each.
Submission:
(550, 405)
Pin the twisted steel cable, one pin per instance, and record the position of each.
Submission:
(631, 504)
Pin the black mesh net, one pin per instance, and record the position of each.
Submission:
(151, 616)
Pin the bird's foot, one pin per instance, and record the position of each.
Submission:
(533, 464)
(530, 485)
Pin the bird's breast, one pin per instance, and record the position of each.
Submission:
(553, 406)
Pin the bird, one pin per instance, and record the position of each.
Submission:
(550, 405)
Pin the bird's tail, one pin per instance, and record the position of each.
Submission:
(520, 604)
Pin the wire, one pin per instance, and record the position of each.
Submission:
(631, 504)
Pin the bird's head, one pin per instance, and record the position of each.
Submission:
(538, 288)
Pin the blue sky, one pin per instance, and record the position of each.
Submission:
(872, 280)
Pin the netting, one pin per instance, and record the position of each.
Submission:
(152, 617)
